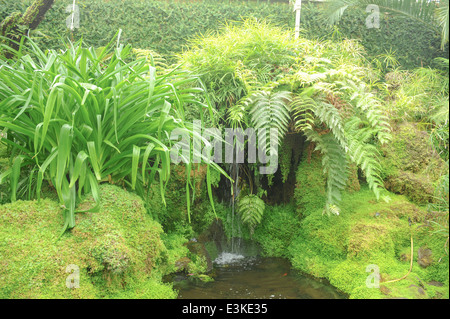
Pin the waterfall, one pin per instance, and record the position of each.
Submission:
(235, 236)
(232, 253)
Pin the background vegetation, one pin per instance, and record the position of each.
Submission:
(165, 26)
(359, 119)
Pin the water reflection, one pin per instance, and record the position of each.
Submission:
(242, 277)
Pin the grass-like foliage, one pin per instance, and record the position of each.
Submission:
(239, 59)
(84, 116)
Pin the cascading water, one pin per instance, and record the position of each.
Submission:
(228, 257)
(235, 222)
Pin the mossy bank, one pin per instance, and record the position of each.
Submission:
(118, 251)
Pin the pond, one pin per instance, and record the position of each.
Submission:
(239, 277)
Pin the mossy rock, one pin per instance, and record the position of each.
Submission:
(277, 229)
(364, 237)
(173, 215)
(117, 250)
(371, 232)
(410, 164)
(418, 187)
(310, 193)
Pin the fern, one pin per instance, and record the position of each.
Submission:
(341, 138)
(251, 209)
(364, 154)
(335, 166)
(271, 110)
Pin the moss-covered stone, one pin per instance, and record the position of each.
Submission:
(118, 250)
(410, 164)
(310, 191)
(368, 233)
(277, 229)
(174, 214)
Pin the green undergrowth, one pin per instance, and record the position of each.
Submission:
(119, 250)
(4, 164)
(341, 248)
(411, 166)
(277, 229)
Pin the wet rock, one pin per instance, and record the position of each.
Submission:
(214, 233)
(199, 249)
(425, 257)
(411, 164)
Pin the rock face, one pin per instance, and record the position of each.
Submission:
(425, 257)
(198, 248)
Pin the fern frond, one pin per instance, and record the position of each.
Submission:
(271, 110)
(308, 111)
(335, 167)
(368, 107)
(334, 162)
(365, 155)
(251, 209)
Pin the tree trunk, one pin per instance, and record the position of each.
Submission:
(16, 25)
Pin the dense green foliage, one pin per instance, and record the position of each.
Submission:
(432, 15)
(267, 74)
(341, 247)
(352, 125)
(90, 116)
(166, 26)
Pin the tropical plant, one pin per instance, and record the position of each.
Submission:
(319, 89)
(85, 116)
(240, 59)
(432, 15)
(345, 122)
(251, 209)
(270, 110)
(418, 95)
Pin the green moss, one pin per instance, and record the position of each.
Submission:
(176, 250)
(410, 164)
(276, 230)
(309, 191)
(364, 237)
(368, 232)
(151, 288)
(118, 250)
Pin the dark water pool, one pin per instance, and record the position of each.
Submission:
(239, 277)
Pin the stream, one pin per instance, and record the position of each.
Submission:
(239, 277)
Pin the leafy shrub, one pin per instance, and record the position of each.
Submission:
(84, 116)
(319, 89)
